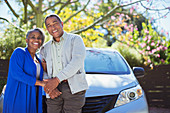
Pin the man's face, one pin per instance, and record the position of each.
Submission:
(54, 27)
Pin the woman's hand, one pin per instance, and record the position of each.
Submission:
(40, 83)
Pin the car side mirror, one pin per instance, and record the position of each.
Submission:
(139, 71)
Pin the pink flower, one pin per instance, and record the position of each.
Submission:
(162, 60)
(112, 17)
(99, 3)
(158, 55)
(167, 33)
(70, 22)
(118, 13)
(153, 51)
(131, 29)
(146, 31)
(146, 53)
(149, 21)
(143, 45)
(149, 61)
(149, 37)
(125, 26)
(140, 52)
(96, 7)
(158, 43)
(152, 44)
(150, 52)
(149, 41)
(109, 7)
(152, 18)
(136, 7)
(165, 48)
(148, 48)
(118, 23)
(131, 38)
(158, 48)
(145, 38)
(162, 30)
(122, 14)
(131, 10)
(131, 25)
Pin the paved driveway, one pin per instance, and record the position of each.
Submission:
(159, 110)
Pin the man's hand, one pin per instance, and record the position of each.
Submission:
(51, 84)
(55, 93)
(44, 65)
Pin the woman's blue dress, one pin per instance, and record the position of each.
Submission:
(20, 94)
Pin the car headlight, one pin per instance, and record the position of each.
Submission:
(129, 95)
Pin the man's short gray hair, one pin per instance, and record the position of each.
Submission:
(52, 15)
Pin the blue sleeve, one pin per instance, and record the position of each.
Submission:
(16, 68)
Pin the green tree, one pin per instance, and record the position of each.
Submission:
(11, 39)
(81, 18)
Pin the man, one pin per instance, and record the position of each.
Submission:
(64, 56)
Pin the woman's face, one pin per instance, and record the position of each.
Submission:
(34, 40)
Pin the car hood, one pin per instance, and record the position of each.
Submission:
(105, 84)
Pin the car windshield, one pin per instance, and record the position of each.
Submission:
(105, 62)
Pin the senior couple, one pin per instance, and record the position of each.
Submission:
(62, 64)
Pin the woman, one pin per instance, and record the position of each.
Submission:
(23, 92)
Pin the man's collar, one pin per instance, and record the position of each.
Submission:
(63, 37)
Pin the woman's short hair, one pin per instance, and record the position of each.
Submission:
(40, 31)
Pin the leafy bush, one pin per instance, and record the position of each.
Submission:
(130, 54)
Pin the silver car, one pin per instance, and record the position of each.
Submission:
(113, 87)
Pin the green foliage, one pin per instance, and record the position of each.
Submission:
(122, 25)
(12, 38)
(130, 54)
(155, 46)
(151, 45)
